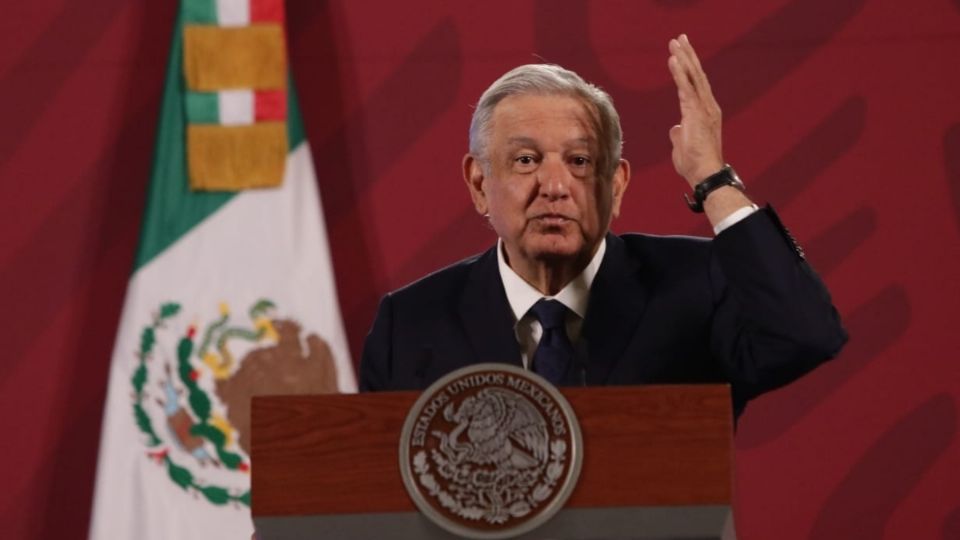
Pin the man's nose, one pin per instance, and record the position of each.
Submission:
(554, 178)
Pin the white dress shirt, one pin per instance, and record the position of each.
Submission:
(575, 295)
(522, 296)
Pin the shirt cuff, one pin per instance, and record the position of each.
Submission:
(734, 218)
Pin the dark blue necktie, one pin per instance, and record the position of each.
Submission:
(554, 354)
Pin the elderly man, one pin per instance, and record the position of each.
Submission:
(561, 295)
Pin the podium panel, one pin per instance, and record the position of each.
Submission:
(657, 463)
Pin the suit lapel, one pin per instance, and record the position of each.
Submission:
(617, 300)
(486, 315)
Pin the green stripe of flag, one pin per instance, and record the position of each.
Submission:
(199, 11)
(172, 209)
(202, 108)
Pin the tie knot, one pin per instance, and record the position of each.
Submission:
(551, 313)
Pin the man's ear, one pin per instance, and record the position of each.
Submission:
(621, 178)
(473, 175)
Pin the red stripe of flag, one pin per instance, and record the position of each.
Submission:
(266, 11)
(270, 105)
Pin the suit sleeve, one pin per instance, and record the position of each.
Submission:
(774, 319)
(376, 364)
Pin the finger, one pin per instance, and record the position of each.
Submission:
(679, 65)
(676, 134)
(680, 77)
(698, 74)
(676, 141)
(685, 65)
(676, 69)
(692, 64)
(691, 53)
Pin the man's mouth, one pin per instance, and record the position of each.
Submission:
(551, 220)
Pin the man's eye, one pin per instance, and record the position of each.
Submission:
(525, 163)
(525, 160)
(580, 161)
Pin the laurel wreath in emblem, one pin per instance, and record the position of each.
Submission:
(497, 463)
(193, 420)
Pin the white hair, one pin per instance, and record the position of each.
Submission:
(551, 79)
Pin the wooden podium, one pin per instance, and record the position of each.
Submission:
(657, 463)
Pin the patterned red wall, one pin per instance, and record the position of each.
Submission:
(844, 114)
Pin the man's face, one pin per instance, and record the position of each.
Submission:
(542, 187)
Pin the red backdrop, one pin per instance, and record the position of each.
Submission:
(842, 113)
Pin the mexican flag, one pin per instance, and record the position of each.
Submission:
(232, 294)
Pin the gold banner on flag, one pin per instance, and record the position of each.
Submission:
(218, 58)
(233, 158)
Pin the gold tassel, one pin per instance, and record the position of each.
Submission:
(218, 58)
(232, 158)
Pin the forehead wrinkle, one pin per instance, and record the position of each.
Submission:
(530, 141)
(521, 141)
(585, 141)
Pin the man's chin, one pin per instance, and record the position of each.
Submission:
(556, 248)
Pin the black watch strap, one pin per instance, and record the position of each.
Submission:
(724, 177)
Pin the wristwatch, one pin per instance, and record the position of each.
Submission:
(725, 177)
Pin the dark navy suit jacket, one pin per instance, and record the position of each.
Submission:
(743, 308)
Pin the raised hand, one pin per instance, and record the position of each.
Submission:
(697, 149)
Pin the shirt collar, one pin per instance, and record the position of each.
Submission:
(575, 295)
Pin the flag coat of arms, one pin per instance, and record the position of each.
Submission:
(232, 294)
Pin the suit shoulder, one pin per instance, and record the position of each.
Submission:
(439, 284)
(667, 249)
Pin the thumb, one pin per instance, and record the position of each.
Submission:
(675, 134)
